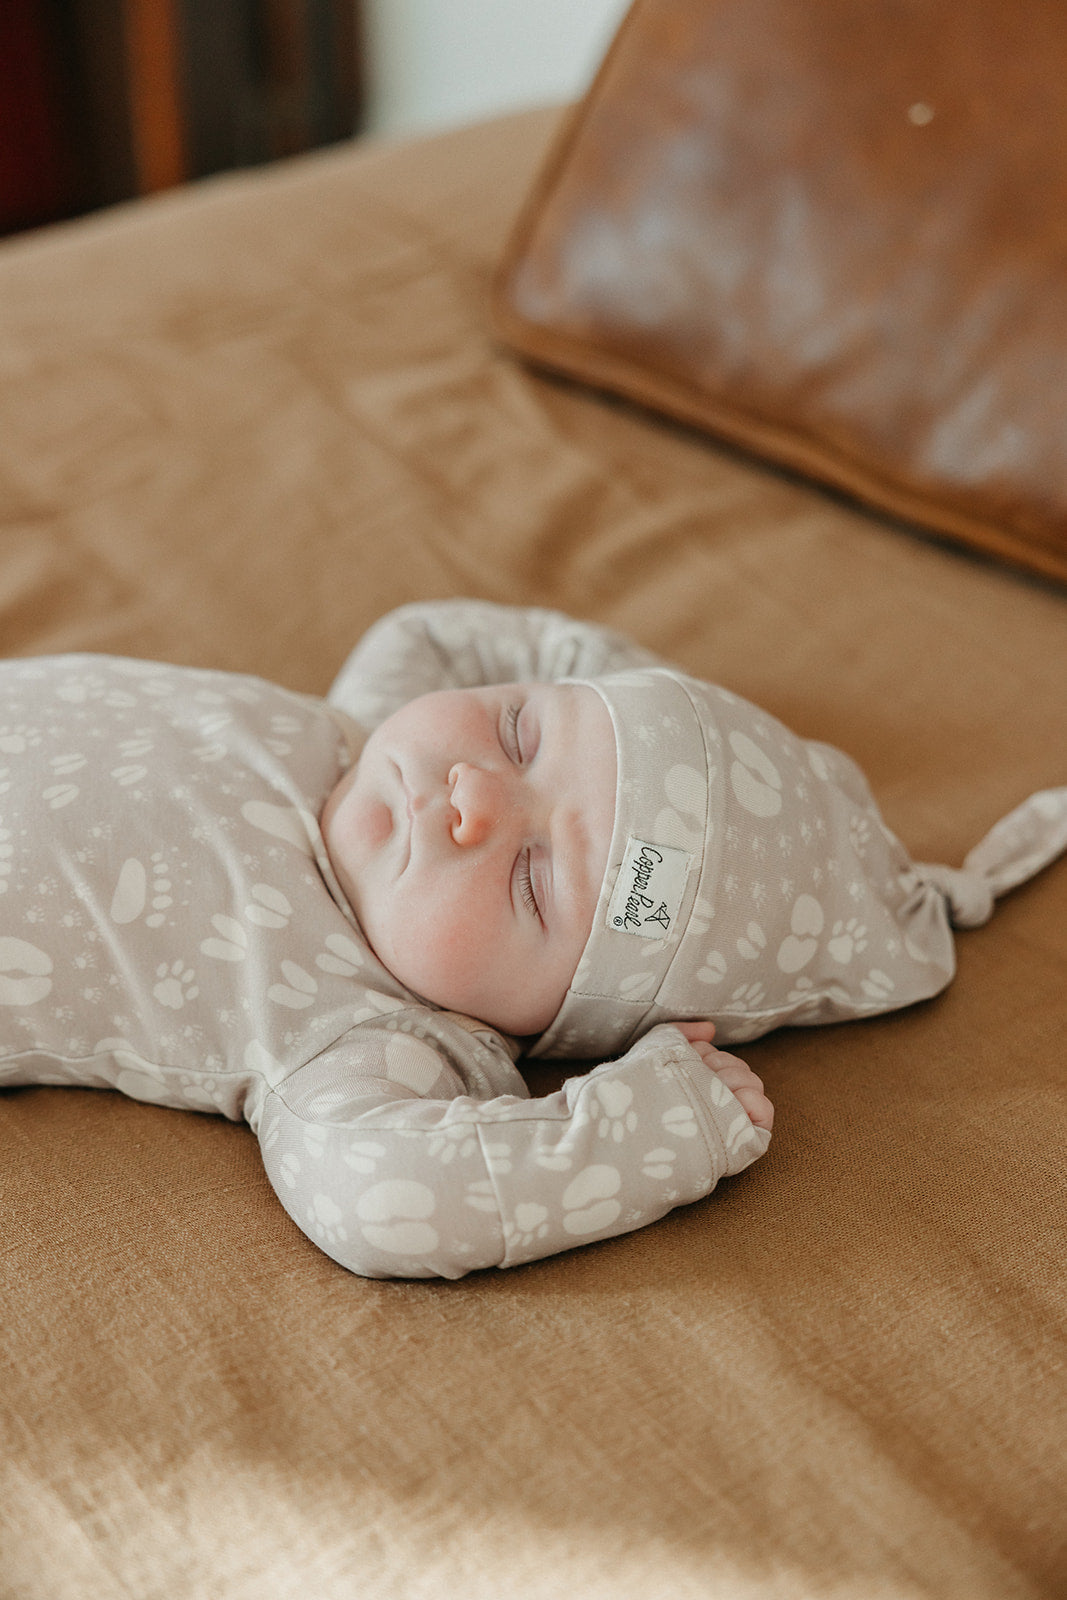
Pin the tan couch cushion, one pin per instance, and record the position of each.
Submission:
(834, 234)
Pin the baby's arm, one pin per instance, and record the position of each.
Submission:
(409, 1166)
(466, 644)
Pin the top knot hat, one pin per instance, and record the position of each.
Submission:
(752, 880)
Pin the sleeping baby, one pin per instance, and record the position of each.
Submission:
(503, 832)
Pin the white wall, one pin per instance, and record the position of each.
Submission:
(433, 63)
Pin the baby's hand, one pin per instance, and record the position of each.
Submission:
(738, 1078)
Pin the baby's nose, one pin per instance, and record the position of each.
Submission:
(478, 803)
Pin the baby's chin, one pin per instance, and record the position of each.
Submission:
(503, 1015)
(517, 1025)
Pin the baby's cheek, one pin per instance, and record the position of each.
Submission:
(435, 949)
(467, 949)
(375, 823)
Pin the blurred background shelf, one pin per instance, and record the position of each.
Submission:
(102, 100)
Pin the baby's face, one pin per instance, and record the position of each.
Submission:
(471, 838)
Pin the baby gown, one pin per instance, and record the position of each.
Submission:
(171, 927)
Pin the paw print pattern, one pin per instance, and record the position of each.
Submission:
(877, 985)
(637, 985)
(748, 994)
(700, 918)
(177, 984)
(818, 764)
(7, 851)
(738, 1134)
(848, 939)
(529, 1224)
(859, 832)
(313, 1138)
(680, 1122)
(363, 1155)
(129, 773)
(589, 1203)
(17, 738)
(131, 897)
(232, 943)
(78, 691)
(297, 992)
(138, 746)
(714, 968)
(616, 1106)
(207, 1094)
(65, 766)
(497, 1156)
(395, 1216)
(754, 778)
(553, 1160)
(128, 900)
(681, 824)
(25, 972)
(413, 1063)
(325, 1220)
(752, 943)
(659, 1163)
(289, 1169)
(209, 724)
(343, 957)
(268, 908)
(739, 1129)
(161, 886)
(798, 947)
(59, 795)
(455, 1139)
(481, 1195)
(283, 729)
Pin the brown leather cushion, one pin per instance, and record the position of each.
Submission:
(833, 234)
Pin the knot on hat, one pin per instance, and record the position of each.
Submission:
(1016, 847)
(969, 894)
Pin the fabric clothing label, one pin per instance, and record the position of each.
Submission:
(648, 891)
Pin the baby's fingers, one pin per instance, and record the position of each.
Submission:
(697, 1032)
(735, 1073)
(759, 1108)
(743, 1082)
